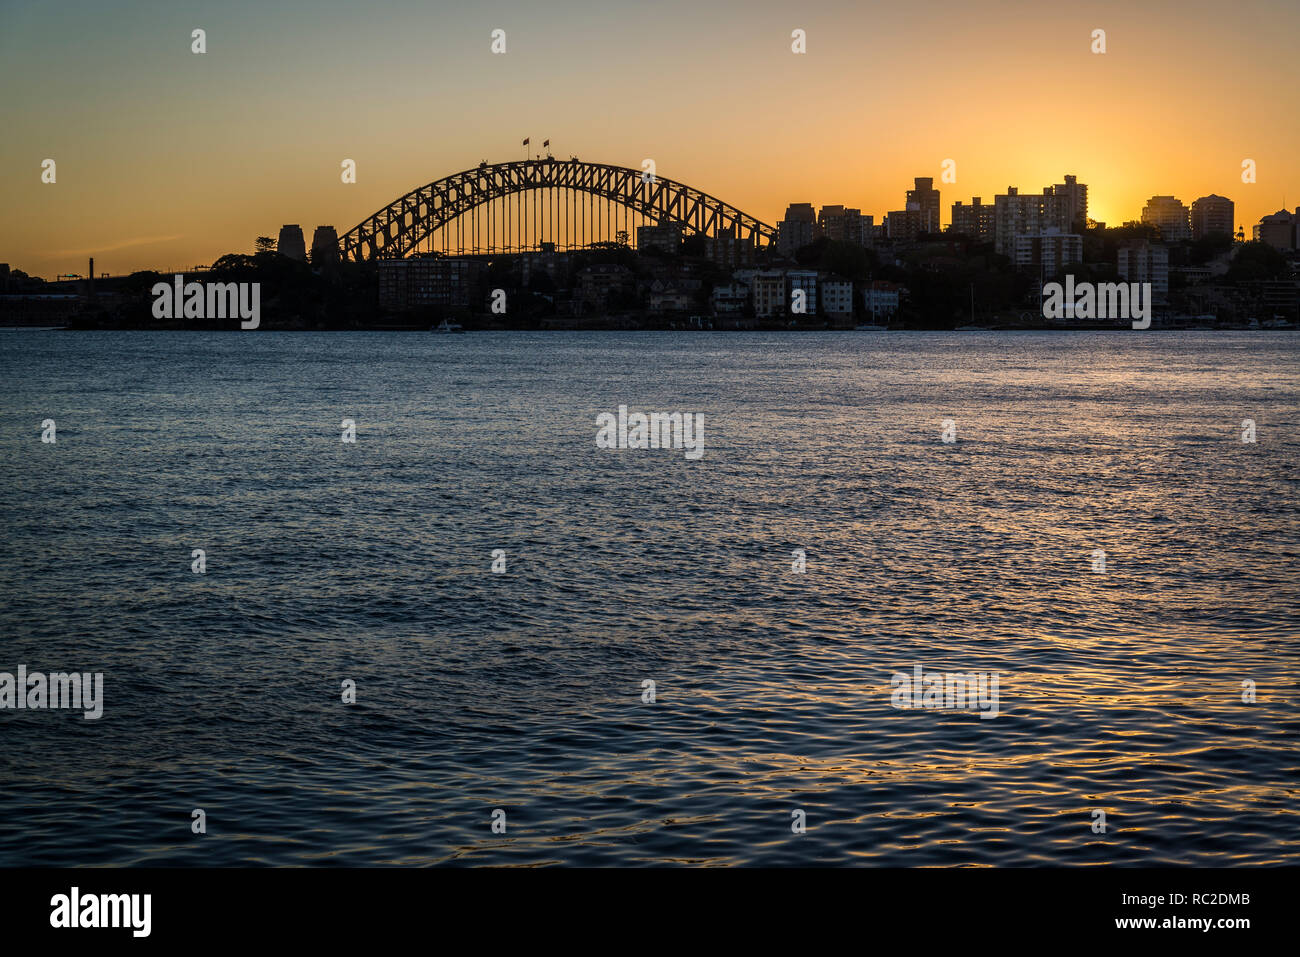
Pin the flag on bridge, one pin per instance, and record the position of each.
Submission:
(547, 143)
(525, 142)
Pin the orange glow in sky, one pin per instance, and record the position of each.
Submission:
(166, 158)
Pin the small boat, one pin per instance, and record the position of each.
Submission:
(448, 326)
(868, 327)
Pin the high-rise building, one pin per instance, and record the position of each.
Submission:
(409, 283)
(1145, 262)
(1060, 207)
(925, 199)
(729, 252)
(903, 225)
(1169, 215)
(797, 229)
(867, 230)
(919, 215)
(663, 236)
(1279, 229)
(1212, 214)
(975, 220)
(1016, 214)
(1049, 251)
(830, 220)
(291, 243)
(1070, 208)
(846, 225)
(324, 246)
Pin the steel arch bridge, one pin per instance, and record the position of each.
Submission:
(511, 204)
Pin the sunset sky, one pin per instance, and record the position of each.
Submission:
(170, 159)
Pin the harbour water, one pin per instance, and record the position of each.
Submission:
(371, 562)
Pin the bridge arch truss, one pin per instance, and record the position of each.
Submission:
(518, 205)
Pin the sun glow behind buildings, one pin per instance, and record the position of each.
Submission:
(169, 159)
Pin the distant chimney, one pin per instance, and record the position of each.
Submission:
(92, 277)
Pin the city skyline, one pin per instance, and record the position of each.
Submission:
(232, 144)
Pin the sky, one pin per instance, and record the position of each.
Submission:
(169, 159)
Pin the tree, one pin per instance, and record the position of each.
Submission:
(849, 260)
(264, 244)
(233, 262)
(1208, 247)
(1257, 260)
